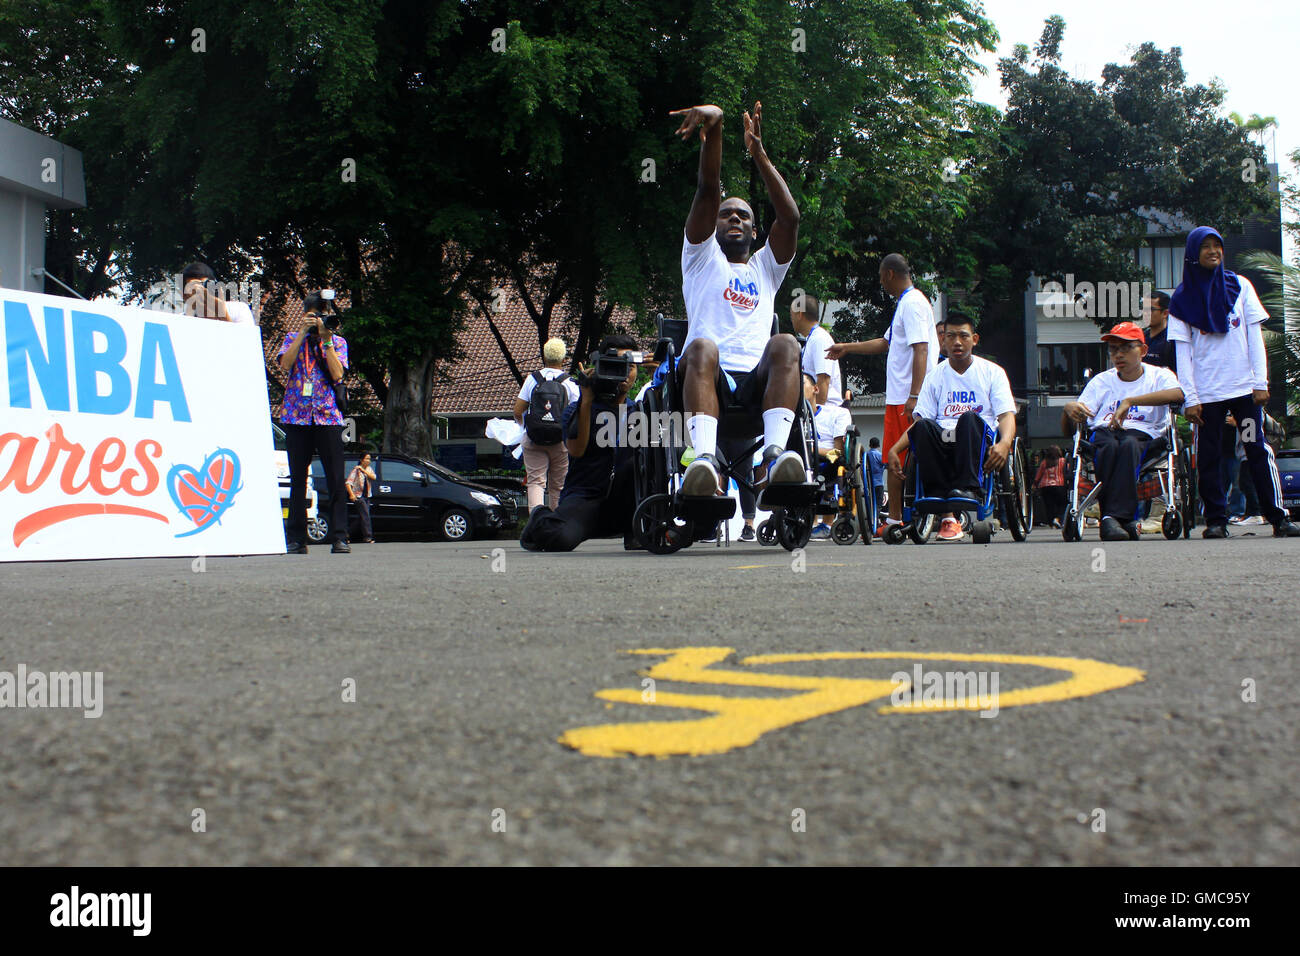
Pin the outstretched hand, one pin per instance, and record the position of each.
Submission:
(697, 117)
(754, 130)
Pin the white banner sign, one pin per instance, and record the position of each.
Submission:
(131, 433)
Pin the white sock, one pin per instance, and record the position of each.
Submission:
(893, 521)
(776, 426)
(703, 430)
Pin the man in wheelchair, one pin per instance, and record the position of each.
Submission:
(729, 357)
(965, 420)
(831, 423)
(1125, 407)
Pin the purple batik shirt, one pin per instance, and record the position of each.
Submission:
(320, 408)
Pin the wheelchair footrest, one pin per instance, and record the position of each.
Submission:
(788, 496)
(708, 509)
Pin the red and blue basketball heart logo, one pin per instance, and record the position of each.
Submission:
(204, 494)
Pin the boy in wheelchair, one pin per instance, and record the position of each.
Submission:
(1125, 407)
(964, 423)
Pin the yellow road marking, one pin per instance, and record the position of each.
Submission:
(818, 564)
(739, 721)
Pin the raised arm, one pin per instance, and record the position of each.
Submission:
(784, 235)
(703, 219)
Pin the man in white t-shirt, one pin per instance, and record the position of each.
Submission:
(825, 372)
(1215, 322)
(962, 403)
(830, 425)
(1125, 406)
(546, 462)
(913, 350)
(730, 355)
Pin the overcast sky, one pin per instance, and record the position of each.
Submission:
(1250, 45)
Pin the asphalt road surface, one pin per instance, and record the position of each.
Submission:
(225, 692)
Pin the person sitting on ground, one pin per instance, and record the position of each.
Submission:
(831, 424)
(1125, 406)
(730, 356)
(599, 495)
(962, 402)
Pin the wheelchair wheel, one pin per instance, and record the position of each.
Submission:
(1190, 482)
(921, 528)
(1017, 496)
(964, 519)
(895, 534)
(795, 528)
(842, 530)
(655, 526)
(1171, 525)
(863, 506)
(767, 533)
(981, 532)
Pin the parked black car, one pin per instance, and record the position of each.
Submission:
(413, 495)
(504, 486)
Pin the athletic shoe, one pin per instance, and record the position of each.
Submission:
(974, 494)
(821, 532)
(341, 547)
(1151, 526)
(1218, 531)
(747, 534)
(1285, 529)
(1133, 529)
(701, 478)
(1254, 519)
(950, 530)
(1112, 530)
(780, 467)
(295, 549)
(880, 532)
(1238, 519)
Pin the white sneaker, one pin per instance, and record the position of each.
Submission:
(1255, 519)
(1239, 519)
(701, 478)
(786, 470)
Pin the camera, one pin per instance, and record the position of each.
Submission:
(331, 319)
(609, 371)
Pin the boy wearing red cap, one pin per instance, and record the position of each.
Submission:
(1126, 406)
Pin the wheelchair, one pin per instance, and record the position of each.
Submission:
(665, 521)
(1168, 472)
(1007, 495)
(850, 494)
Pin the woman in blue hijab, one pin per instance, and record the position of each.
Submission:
(1216, 322)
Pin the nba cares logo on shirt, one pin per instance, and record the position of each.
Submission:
(741, 295)
(204, 494)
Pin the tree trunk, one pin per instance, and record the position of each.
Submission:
(408, 417)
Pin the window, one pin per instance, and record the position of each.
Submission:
(391, 471)
(1165, 260)
(1061, 367)
(466, 427)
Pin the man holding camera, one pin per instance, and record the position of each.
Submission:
(599, 492)
(314, 360)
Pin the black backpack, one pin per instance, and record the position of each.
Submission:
(544, 420)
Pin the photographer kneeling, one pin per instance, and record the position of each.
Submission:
(599, 492)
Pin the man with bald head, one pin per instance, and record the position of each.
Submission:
(730, 355)
(912, 346)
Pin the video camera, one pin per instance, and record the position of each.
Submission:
(609, 371)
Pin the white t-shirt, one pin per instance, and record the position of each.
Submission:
(1104, 392)
(816, 363)
(570, 386)
(730, 303)
(947, 395)
(831, 422)
(1221, 363)
(913, 323)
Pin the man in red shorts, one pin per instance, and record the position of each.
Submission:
(913, 349)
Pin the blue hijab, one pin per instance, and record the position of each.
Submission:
(1205, 297)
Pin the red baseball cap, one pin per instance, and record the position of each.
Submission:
(1126, 332)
